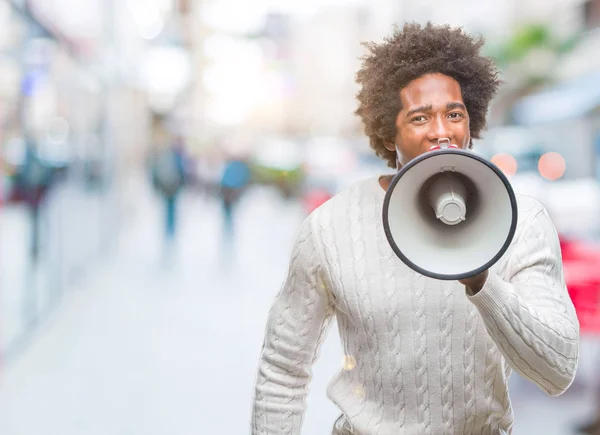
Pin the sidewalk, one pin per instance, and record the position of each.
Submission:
(147, 348)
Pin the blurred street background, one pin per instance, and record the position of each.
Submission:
(158, 156)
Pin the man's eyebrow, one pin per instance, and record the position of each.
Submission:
(427, 108)
(455, 105)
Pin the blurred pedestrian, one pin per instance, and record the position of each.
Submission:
(33, 180)
(420, 355)
(168, 178)
(591, 428)
(234, 180)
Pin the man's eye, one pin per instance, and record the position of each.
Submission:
(455, 115)
(418, 119)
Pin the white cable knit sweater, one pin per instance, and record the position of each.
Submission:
(423, 357)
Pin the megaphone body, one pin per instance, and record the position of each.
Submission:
(449, 214)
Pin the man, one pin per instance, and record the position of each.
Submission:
(234, 180)
(169, 177)
(422, 356)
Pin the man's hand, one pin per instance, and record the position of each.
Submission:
(475, 283)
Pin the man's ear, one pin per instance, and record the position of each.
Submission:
(389, 145)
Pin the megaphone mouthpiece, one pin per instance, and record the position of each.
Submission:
(443, 142)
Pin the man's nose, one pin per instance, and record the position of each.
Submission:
(439, 129)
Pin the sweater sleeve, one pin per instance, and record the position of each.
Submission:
(296, 326)
(531, 317)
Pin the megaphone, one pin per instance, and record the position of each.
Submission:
(449, 214)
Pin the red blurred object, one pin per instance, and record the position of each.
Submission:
(581, 265)
(314, 198)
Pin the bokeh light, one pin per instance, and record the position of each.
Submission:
(506, 163)
(349, 363)
(552, 166)
(359, 392)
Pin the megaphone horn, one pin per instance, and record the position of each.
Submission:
(449, 214)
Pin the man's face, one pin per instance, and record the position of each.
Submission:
(432, 108)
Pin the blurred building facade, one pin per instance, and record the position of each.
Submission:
(73, 96)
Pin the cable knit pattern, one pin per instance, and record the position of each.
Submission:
(446, 305)
(393, 326)
(359, 261)
(469, 361)
(531, 318)
(297, 325)
(420, 338)
(422, 356)
(491, 369)
(373, 273)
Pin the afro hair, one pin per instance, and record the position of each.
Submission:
(410, 53)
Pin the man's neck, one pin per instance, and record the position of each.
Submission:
(384, 181)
